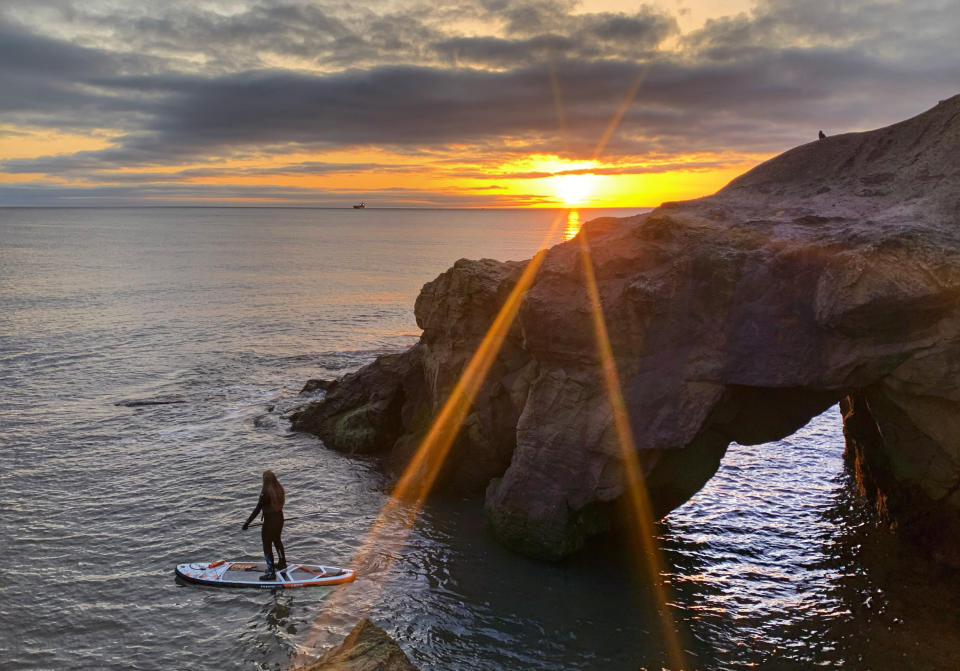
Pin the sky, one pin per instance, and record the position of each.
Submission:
(403, 103)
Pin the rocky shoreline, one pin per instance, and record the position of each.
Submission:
(829, 274)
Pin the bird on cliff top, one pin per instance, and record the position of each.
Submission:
(822, 135)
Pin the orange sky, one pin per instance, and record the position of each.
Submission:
(524, 180)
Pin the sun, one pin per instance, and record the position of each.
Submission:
(574, 190)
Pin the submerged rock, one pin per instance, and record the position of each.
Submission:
(828, 274)
(366, 648)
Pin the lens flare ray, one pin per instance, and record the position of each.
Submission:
(618, 115)
(642, 529)
(389, 532)
(395, 521)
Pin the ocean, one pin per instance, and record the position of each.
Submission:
(148, 357)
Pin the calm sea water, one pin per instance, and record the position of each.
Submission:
(774, 564)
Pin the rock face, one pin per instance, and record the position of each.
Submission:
(366, 648)
(828, 274)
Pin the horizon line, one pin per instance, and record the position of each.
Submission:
(307, 207)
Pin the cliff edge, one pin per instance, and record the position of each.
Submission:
(828, 274)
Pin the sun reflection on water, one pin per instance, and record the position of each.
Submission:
(573, 225)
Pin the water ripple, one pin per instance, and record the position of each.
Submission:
(775, 563)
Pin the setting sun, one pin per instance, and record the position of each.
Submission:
(574, 190)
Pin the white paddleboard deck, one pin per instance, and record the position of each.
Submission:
(247, 574)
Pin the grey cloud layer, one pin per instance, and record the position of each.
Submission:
(182, 83)
(552, 35)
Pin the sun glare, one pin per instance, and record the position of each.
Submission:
(574, 190)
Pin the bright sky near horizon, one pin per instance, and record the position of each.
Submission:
(410, 103)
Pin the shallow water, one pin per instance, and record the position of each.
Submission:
(226, 312)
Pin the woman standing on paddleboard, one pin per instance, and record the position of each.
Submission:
(270, 502)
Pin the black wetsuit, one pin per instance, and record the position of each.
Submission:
(270, 532)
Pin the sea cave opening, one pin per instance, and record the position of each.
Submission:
(765, 555)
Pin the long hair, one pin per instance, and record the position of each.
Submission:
(274, 490)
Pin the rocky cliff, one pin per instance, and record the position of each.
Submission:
(828, 274)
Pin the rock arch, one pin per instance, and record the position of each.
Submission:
(829, 274)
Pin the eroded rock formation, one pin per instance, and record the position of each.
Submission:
(829, 273)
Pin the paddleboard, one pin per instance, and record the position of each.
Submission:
(247, 574)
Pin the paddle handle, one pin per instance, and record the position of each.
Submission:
(285, 519)
(295, 517)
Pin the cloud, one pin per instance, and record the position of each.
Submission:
(877, 29)
(99, 171)
(184, 84)
(564, 38)
(39, 74)
(189, 116)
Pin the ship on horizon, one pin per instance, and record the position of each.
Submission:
(361, 206)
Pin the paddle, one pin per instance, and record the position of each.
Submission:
(287, 519)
